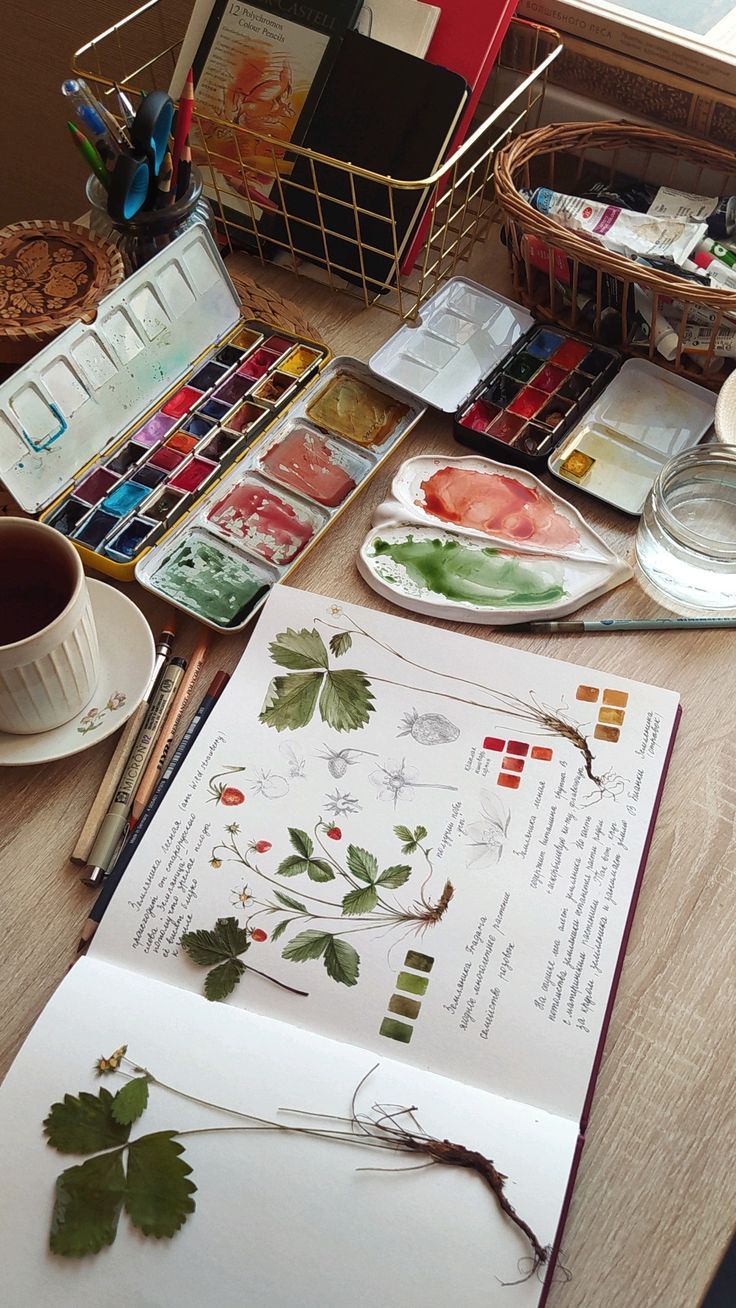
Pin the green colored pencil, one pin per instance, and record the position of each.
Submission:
(90, 155)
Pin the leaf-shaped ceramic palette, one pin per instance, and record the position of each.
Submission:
(473, 539)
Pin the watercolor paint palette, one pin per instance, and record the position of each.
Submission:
(472, 539)
(247, 532)
(643, 419)
(116, 429)
(513, 388)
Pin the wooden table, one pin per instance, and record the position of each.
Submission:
(654, 1201)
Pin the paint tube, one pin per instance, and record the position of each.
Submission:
(719, 214)
(620, 230)
(718, 251)
(665, 337)
(696, 336)
(718, 273)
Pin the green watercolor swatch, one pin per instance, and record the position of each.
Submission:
(404, 1006)
(421, 962)
(484, 577)
(394, 1030)
(208, 581)
(416, 985)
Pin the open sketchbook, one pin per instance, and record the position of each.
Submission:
(439, 840)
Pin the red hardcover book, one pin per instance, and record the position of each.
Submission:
(467, 40)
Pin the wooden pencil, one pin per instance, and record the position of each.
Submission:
(171, 724)
(116, 766)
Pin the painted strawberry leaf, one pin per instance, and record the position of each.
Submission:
(87, 1206)
(288, 901)
(317, 869)
(222, 980)
(299, 650)
(301, 842)
(364, 866)
(290, 701)
(280, 928)
(158, 1194)
(226, 940)
(341, 643)
(410, 839)
(346, 701)
(362, 900)
(84, 1123)
(393, 877)
(131, 1100)
(341, 960)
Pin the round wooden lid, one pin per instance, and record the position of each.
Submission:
(51, 275)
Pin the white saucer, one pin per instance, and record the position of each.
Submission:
(127, 653)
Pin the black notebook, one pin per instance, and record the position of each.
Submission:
(386, 111)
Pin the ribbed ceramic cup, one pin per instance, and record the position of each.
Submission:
(50, 675)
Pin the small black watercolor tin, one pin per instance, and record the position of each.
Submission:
(513, 388)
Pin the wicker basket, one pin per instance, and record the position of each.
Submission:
(568, 157)
(51, 275)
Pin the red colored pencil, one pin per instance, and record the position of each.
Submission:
(183, 123)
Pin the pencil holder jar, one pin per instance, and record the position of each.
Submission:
(142, 236)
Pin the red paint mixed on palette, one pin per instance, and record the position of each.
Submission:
(516, 755)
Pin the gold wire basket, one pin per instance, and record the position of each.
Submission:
(139, 54)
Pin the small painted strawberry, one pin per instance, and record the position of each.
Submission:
(262, 846)
(258, 935)
(334, 833)
(230, 795)
(215, 862)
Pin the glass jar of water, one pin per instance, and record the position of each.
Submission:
(686, 542)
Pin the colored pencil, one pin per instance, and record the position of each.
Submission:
(217, 685)
(116, 766)
(90, 155)
(115, 821)
(626, 624)
(183, 124)
(151, 776)
(185, 172)
(163, 182)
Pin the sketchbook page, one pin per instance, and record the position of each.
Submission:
(279, 1219)
(437, 838)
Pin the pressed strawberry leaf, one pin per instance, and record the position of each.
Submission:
(84, 1123)
(306, 945)
(131, 1100)
(158, 1194)
(226, 940)
(222, 980)
(87, 1206)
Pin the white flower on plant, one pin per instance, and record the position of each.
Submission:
(338, 804)
(486, 838)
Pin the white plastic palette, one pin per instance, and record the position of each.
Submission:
(260, 519)
(644, 417)
(463, 332)
(479, 541)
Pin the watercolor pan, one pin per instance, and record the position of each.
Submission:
(68, 516)
(273, 503)
(127, 457)
(182, 442)
(264, 521)
(246, 417)
(181, 402)
(218, 446)
(197, 426)
(201, 575)
(150, 475)
(214, 409)
(129, 541)
(97, 526)
(348, 407)
(155, 429)
(192, 475)
(232, 391)
(246, 338)
(126, 497)
(95, 485)
(273, 388)
(228, 356)
(166, 458)
(634, 426)
(299, 361)
(164, 504)
(210, 375)
(480, 415)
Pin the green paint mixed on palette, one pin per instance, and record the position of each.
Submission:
(466, 572)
